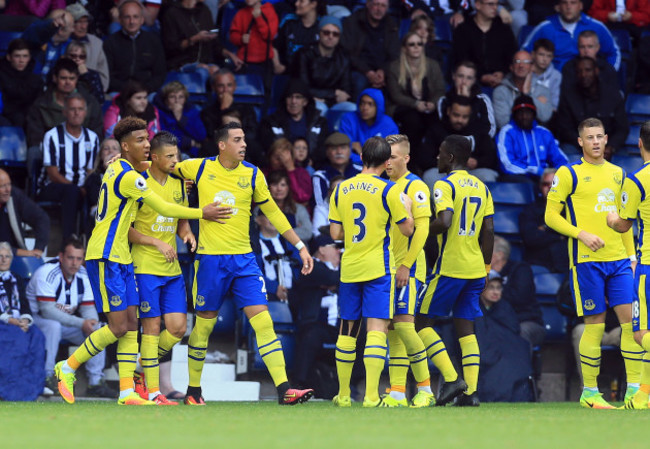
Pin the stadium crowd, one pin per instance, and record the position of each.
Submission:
(309, 82)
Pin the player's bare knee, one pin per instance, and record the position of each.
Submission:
(177, 329)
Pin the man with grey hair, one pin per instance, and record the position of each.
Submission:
(519, 291)
(589, 46)
(69, 152)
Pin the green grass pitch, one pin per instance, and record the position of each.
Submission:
(266, 425)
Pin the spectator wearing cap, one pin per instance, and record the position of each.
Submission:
(296, 117)
(526, 148)
(337, 151)
(95, 56)
(517, 82)
(325, 67)
(369, 120)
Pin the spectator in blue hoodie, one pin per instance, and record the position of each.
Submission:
(563, 30)
(369, 120)
(525, 148)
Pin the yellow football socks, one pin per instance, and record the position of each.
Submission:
(93, 345)
(346, 352)
(438, 354)
(416, 352)
(269, 347)
(150, 366)
(471, 361)
(632, 354)
(166, 343)
(589, 349)
(374, 359)
(127, 356)
(197, 346)
(398, 362)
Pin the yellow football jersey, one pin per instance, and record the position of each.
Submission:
(366, 205)
(147, 259)
(418, 191)
(237, 188)
(588, 193)
(122, 187)
(459, 251)
(636, 205)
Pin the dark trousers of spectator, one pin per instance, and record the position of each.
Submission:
(309, 345)
(69, 197)
(413, 123)
(532, 332)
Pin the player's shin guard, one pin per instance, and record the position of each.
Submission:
(149, 353)
(269, 347)
(398, 362)
(93, 345)
(346, 352)
(438, 354)
(415, 349)
(374, 359)
(127, 356)
(471, 361)
(632, 354)
(589, 349)
(166, 342)
(197, 346)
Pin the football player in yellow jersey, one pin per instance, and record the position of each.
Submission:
(158, 275)
(465, 231)
(635, 205)
(226, 263)
(600, 270)
(362, 212)
(109, 263)
(405, 346)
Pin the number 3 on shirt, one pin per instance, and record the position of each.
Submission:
(356, 238)
(465, 216)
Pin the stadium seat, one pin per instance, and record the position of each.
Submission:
(547, 285)
(524, 31)
(506, 223)
(334, 119)
(25, 266)
(622, 38)
(5, 38)
(555, 324)
(637, 107)
(516, 251)
(404, 26)
(227, 318)
(13, 146)
(277, 90)
(250, 89)
(511, 193)
(632, 139)
(443, 30)
(193, 81)
(628, 162)
(539, 269)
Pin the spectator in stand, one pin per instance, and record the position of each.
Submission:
(371, 38)
(133, 53)
(563, 30)
(295, 117)
(301, 156)
(17, 211)
(483, 160)
(132, 101)
(453, 9)
(485, 41)
(465, 85)
(22, 372)
(544, 73)
(48, 40)
(526, 148)
(519, 291)
(542, 245)
(519, 81)
(180, 117)
(281, 191)
(38, 8)
(18, 85)
(337, 151)
(95, 56)
(512, 13)
(107, 150)
(189, 38)
(320, 223)
(369, 120)
(296, 31)
(424, 26)
(281, 160)
(47, 110)
(224, 85)
(415, 84)
(69, 152)
(591, 97)
(90, 79)
(630, 15)
(589, 47)
(325, 67)
(252, 32)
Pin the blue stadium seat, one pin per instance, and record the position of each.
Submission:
(511, 193)
(516, 252)
(506, 223)
(443, 30)
(278, 87)
(25, 266)
(227, 318)
(622, 38)
(524, 31)
(250, 89)
(5, 38)
(334, 119)
(632, 139)
(548, 284)
(629, 163)
(555, 324)
(193, 81)
(404, 26)
(637, 107)
(539, 269)
(13, 146)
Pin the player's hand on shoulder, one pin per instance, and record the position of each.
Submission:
(592, 241)
(407, 201)
(216, 212)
